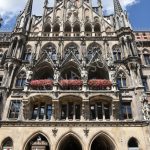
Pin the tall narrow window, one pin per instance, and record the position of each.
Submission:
(144, 81)
(42, 111)
(126, 110)
(70, 111)
(49, 112)
(77, 111)
(99, 111)
(147, 59)
(1, 79)
(116, 53)
(121, 81)
(27, 55)
(35, 112)
(107, 111)
(20, 82)
(64, 111)
(92, 112)
(14, 109)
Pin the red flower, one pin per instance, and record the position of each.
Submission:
(71, 83)
(99, 83)
(40, 83)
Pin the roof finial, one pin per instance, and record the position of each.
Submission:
(117, 7)
(28, 8)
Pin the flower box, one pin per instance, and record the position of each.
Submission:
(74, 84)
(41, 83)
(99, 83)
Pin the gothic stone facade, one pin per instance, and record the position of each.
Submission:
(74, 79)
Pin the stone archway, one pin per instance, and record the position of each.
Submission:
(101, 142)
(38, 142)
(70, 143)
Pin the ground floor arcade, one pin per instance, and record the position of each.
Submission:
(44, 136)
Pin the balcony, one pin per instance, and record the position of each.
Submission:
(44, 84)
(70, 84)
(99, 84)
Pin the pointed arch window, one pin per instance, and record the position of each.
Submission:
(121, 80)
(92, 49)
(133, 144)
(72, 48)
(116, 53)
(88, 29)
(56, 29)
(7, 144)
(47, 28)
(21, 79)
(51, 52)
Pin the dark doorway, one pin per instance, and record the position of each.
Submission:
(100, 143)
(70, 143)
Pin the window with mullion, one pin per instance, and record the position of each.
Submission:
(126, 110)
(14, 109)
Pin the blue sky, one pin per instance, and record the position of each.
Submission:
(138, 11)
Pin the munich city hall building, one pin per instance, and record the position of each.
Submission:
(74, 79)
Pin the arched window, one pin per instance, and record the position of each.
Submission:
(67, 29)
(97, 28)
(56, 28)
(50, 50)
(21, 78)
(71, 48)
(38, 142)
(7, 144)
(47, 28)
(133, 144)
(88, 29)
(27, 55)
(92, 49)
(116, 53)
(121, 80)
(76, 28)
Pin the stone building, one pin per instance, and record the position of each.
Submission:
(74, 79)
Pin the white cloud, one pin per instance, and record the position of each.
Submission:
(13, 7)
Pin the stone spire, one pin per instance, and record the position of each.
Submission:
(45, 3)
(117, 7)
(28, 7)
(99, 7)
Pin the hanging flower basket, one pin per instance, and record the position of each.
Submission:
(71, 83)
(41, 83)
(99, 83)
